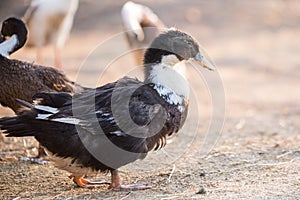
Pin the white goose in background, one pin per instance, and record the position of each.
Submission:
(142, 25)
(50, 22)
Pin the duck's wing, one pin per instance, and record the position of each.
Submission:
(124, 111)
(104, 105)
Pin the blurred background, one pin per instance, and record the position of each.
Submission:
(256, 47)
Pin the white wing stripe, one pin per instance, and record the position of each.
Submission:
(46, 108)
(43, 116)
(67, 120)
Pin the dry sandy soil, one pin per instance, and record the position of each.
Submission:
(256, 155)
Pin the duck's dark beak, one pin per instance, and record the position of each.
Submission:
(203, 60)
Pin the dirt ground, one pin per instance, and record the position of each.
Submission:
(256, 155)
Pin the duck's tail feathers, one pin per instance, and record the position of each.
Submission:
(16, 126)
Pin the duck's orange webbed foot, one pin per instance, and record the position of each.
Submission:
(84, 183)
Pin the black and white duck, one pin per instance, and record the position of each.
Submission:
(117, 123)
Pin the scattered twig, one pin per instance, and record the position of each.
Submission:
(287, 153)
(127, 195)
(183, 195)
(284, 154)
(171, 174)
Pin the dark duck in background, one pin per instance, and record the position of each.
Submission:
(22, 80)
(92, 132)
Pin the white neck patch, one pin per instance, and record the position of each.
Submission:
(169, 82)
(169, 60)
(7, 46)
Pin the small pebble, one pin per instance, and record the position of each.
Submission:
(202, 174)
(201, 191)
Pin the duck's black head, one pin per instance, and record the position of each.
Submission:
(168, 49)
(13, 26)
(174, 46)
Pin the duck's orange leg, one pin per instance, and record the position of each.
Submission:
(116, 183)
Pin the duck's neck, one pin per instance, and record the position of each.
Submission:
(167, 81)
(9, 46)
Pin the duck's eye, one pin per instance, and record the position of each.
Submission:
(189, 42)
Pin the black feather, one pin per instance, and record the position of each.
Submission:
(53, 99)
